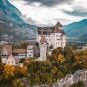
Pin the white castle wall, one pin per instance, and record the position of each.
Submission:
(30, 51)
(43, 51)
(54, 39)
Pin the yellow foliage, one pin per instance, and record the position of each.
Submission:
(21, 70)
(9, 71)
(17, 83)
(60, 58)
(81, 58)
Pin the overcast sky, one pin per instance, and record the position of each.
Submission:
(48, 12)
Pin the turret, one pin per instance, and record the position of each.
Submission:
(43, 48)
(58, 27)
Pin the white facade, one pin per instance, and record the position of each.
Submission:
(4, 59)
(30, 51)
(4, 51)
(58, 40)
(64, 41)
(4, 54)
(55, 40)
(54, 36)
(48, 39)
(11, 60)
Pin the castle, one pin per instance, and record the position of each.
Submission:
(54, 36)
(48, 39)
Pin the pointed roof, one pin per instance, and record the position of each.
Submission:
(57, 28)
(11, 60)
(43, 39)
(11, 57)
(58, 24)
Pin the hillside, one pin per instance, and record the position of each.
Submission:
(77, 30)
(12, 26)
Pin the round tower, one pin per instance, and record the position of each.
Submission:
(43, 48)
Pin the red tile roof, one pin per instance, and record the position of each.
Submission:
(59, 24)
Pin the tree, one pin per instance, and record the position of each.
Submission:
(21, 71)
(81, 60)
(63, 59)
(1, 71)
(22, 61)
(40, 72)
(9, 71)
(17, 83)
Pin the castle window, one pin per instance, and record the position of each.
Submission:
(44, 32)
(39, 32)
(29, 49)
(30, 55)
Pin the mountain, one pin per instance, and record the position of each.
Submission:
(77, 30)
(9, 12)
(12, 26)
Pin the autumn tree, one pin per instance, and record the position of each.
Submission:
(9, 71)
(17, 83)
(81, 60)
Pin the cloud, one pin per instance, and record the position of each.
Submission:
(49, 3)
(48, 12)
(79, 8)
(29, 20)
(76, 11)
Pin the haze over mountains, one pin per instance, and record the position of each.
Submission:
(12, 26)
(77, 30)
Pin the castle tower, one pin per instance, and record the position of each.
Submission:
(58, 26)
(43, 48)
(58, 36)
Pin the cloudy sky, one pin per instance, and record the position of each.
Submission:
(48, 12)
